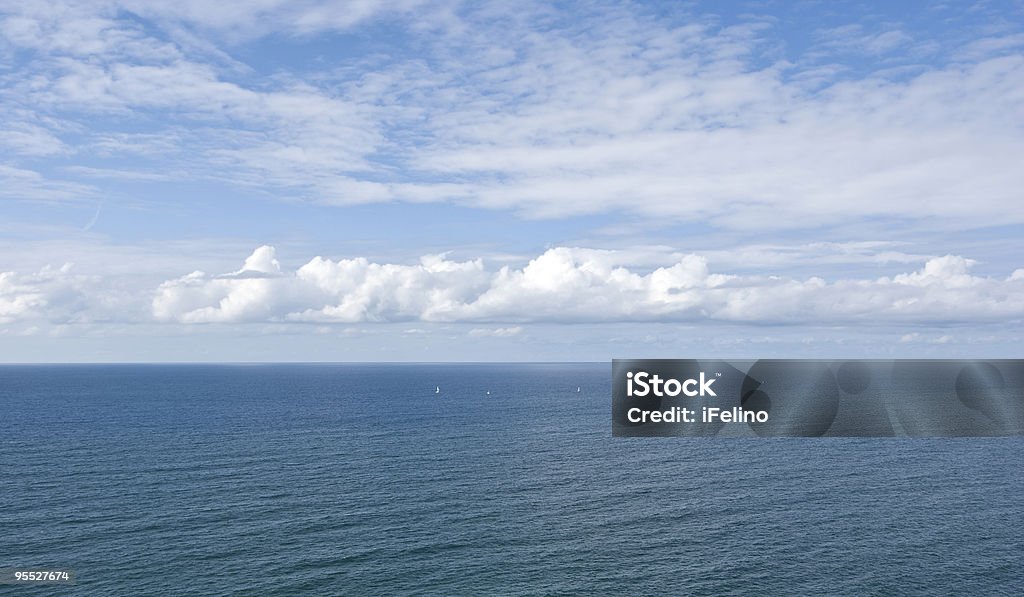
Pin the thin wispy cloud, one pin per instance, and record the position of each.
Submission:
(553, 117)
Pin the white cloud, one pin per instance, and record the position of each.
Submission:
(580, 285)
(89, 72)
(251, 19)
(556, 116)
(497, 332)
(27, 139)
(927, 339)
(348, 290)
(24, 184)
(740, 148)
(989, 46)
(816, 254)
(853, 38)
(51, 293)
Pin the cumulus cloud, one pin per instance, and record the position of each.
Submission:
(579, 285)
(348, 290)
(54, 294)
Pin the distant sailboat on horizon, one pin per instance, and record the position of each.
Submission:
(577, 389)
(437, 389)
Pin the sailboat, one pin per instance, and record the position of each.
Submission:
(577, 389)
(437, 389)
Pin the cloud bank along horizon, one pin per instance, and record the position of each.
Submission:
(731, 166)
(562, 284)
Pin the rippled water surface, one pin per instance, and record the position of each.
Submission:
(360, 479)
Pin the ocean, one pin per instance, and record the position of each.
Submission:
(345, 479)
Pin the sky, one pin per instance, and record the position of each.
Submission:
(401, 180)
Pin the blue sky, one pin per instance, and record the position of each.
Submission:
(407, 180)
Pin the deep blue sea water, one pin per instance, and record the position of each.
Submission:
(359, 479)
